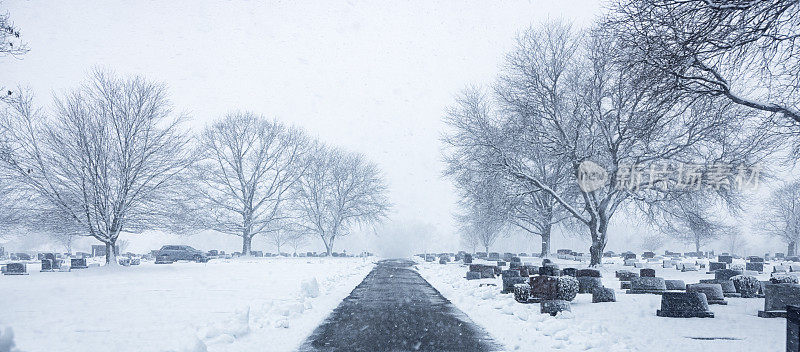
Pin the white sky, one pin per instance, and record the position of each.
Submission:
(373, 78)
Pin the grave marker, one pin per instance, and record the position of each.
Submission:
(78, 263)
(684, 305)
(713, 292)
(777, 297)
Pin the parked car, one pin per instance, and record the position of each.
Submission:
(182, 253)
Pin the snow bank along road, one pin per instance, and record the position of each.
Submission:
(245, 304)
(395, 309)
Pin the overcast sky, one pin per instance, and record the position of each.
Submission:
(373, 78)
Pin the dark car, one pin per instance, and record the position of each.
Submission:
(182, 253)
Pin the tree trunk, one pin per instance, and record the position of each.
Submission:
(546, 243)
(247, 241)
(790, 251)
(697, 245)
(329, 246)
(598, 227)
(111, 254)
(487, 250)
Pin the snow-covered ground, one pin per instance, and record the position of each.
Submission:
(630, 324)
(244, 304)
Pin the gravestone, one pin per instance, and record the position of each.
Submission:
(587, 284)
(549, 270)
(514, 265)
(78, 263)
(467, 258)
(442, 261)
(553, 287)
(624, 275)
(47, 265)
(684, 305)
(628, 255)
(625, 285)
(713, 292)
(675, 285)
(523, 271)
(494, 256)
(522, 293)
(755, 259)
(511, 278)
(136, 261)
(792, 328)
(553, 307)
(515, 259)
(603, 294)
(629, 262)
(648, 255)
(726, 274)
(684, 267)
(487, 272)
(473, 275)
(728, 288)
(476, 267)
(712, 266)
(638, 265)
(647, 273)
(725, 259)
(125, 261)
(588, 273)
(640, 285)
(667, 264)
(746, 286)
(569, 272)
(501, 263)
(16, 269)
(777, 297)
(755, 266)
(213, 253)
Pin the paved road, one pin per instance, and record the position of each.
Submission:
(395, 309)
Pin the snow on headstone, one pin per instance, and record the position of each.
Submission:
(310, 288)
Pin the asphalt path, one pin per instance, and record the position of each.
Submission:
(395, 309)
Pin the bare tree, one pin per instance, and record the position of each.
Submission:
(484, 209)
(296, 240)
(652, 241)
(735, 240)
(11, 44)
(245, 177)
(781, 219)
(468, 160)
(104, 161)
(339, 191)
(691, 221)
(720, 48)
(285, 233)
(585, 108)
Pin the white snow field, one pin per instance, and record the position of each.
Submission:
(630, 324)
(244, 304)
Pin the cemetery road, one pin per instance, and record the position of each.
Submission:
(395, 309)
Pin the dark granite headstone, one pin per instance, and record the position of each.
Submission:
(467, 258)
(755, 259)
(587, 284)
(647, 272)
(603, 294)
(792, 328)
(713, 292)
(16, 269)
(588, 273)
(487, 272)
(726, 274)
(755, 266)
(442, 261)
(648, 255)
(473, 275)
(684, 305)
(712, 266)
(725, 259)
(494, 256)
(553, 287)
(511, 278)
(47, 265)
(777, 297)
(624, 275)
(549, 270)
(77, 263)
(625, 285)
(569, 272)
(501, 263)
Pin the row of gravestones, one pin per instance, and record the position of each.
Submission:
(48, 265)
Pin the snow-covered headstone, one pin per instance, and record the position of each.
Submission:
(713, 292)
(777, 297)
(684, 305)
